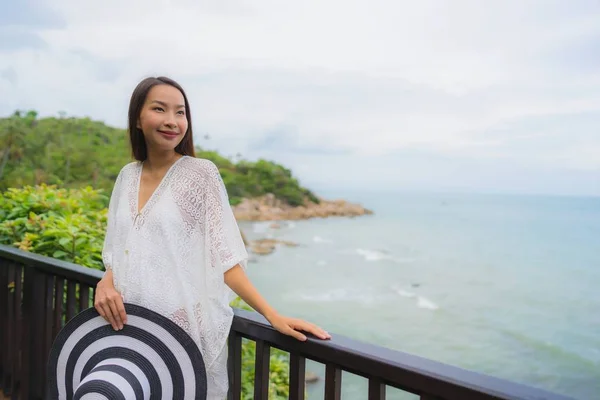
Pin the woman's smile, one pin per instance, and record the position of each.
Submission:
(168, 134)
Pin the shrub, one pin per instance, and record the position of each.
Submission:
(66, 224)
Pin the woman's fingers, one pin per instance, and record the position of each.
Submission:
(296, 325)
(121, 309)
(116, 315)
(296, 334)
(320, 332)
(312, 328)
(110, 317)
(98, 308)
(105, 312)
(112, 309)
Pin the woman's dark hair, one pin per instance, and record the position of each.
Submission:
(136, 136)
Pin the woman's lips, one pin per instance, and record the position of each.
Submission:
(169, 134)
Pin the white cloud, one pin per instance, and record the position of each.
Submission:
(467, 80)
(469, 44)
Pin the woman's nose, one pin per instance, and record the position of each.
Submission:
(170, 122)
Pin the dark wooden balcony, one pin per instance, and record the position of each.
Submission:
(36, 292)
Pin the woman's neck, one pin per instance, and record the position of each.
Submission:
(160, 161)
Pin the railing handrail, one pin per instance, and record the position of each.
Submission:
(391, 367)
(54, 266)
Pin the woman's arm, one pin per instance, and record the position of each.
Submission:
(227, 249)
(238, 281)
(109, 303)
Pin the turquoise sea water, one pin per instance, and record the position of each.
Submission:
(504, 285)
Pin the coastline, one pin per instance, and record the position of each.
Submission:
(269, 208)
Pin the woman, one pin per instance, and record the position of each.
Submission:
(172, 243)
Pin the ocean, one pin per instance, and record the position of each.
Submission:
(506, 285)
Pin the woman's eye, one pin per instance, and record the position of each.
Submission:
(158, 109)
(181, 113)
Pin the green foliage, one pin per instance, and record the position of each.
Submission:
(60, 223)
(253, 179)
(69, 152)
(219, 160)
(69, 224)
(77, 152)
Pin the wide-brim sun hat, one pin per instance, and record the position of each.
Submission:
(151, 358)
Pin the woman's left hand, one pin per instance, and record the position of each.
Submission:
(292, 326)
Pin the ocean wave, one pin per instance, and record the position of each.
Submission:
(378, 255)
(342, 295)
(319, 239)
(552, 349)
(422, 301)
(405, 293)
(365, 297)
(372, 255)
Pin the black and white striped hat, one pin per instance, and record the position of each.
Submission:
(150, 358)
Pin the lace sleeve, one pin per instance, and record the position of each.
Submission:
(226, 243)
(107, 249)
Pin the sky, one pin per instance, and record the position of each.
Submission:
(378, 96)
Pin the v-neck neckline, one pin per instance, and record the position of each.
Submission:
(155, 192)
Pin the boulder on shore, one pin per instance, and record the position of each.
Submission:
(267, 246)
(311, 377)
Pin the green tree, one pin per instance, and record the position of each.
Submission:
(77, 152)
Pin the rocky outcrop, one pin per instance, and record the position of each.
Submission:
(267, 246)
(311, 377)
(269, 208)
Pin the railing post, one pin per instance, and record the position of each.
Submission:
(14, 322)
(297, 376)
(33, 366)
(261, 370)
(376, 389)
(4, 333)
(333, 382)
(234, 365)
(10, 349)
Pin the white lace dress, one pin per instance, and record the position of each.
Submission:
(171, 256)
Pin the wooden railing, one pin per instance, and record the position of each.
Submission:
(39, 294)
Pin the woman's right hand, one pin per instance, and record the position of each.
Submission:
(109, 302)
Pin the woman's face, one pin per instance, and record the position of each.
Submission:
(162, 119)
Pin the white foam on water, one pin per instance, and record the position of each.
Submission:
(405, 293)
(372, 255)
(423, 302)
(332, 295)
(378, 255)
(319, 239)
(342, 295)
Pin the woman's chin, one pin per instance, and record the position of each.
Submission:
(165, 145)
